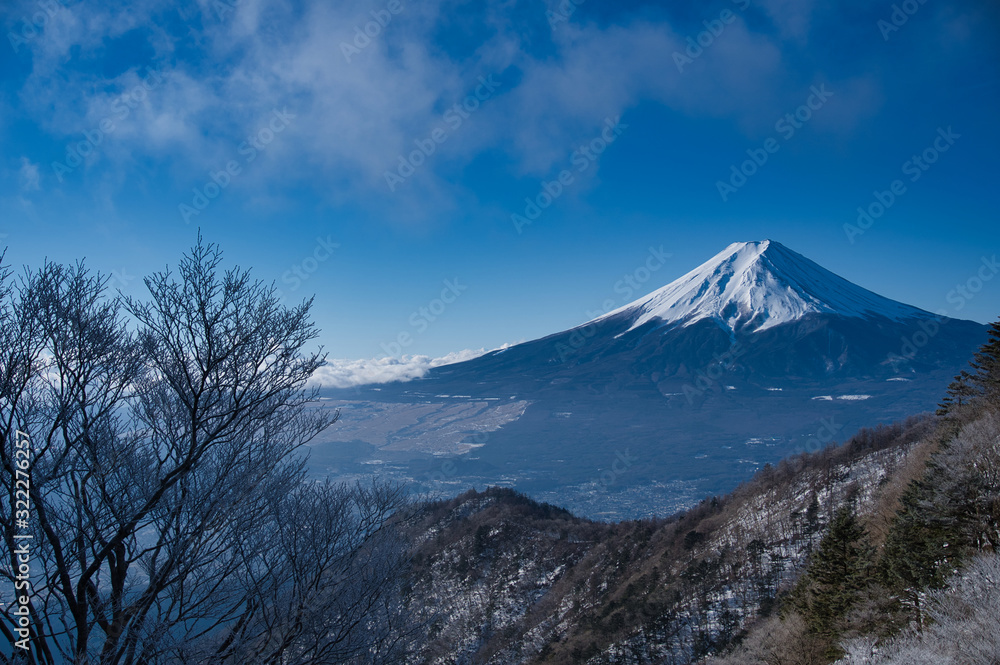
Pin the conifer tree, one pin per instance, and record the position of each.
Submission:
(960, 392)
(838, 573)
(925, 541)
(987, 365)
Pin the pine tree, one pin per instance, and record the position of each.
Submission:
(812, 520)
(839, 571)
(986, 362)
(926, 539)
(961, 391)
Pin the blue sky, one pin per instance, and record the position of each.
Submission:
(380, 172)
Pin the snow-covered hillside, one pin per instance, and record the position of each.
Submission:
(504, 581)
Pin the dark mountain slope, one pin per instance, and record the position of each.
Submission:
(502, 579)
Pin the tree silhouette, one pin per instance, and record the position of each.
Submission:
(839, 571)
(170, 516)
(986, 364)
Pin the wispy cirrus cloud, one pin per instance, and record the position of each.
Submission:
(224, 70)
(30, 178)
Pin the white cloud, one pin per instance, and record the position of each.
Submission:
(354, 119)
(792, 17)
(29, 176)
(343, 373)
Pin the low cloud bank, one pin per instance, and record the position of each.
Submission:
(345, 373)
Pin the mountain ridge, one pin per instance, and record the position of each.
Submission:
(759, 284)
(706, 404)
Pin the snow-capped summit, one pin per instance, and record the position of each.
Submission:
(753, 286)
(774, 315)
(758, 353)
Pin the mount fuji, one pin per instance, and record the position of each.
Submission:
(754, 286)
(754, 355)
(758, 308)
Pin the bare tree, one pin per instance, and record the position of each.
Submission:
(963, 630)
(170, 514)
(776, 641)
